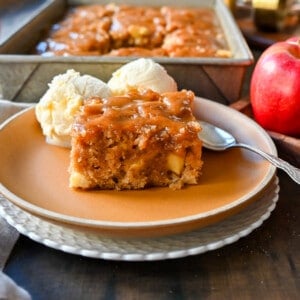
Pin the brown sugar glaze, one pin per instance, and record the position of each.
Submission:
(140, 110)
(124, 30)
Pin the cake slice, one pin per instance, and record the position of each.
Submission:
(139, 140)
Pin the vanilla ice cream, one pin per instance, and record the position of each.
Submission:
(142, 72)
(58, 106)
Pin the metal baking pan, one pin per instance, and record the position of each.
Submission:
(25, 77)
(23, 22)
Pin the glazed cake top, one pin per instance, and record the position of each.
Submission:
(124, 30)
(142, 112)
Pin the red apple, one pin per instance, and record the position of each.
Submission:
(275, 88)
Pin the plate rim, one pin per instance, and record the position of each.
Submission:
(48, 214)
(22, 225)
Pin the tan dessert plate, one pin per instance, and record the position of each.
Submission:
(34, 176)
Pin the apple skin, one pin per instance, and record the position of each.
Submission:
(275, 88)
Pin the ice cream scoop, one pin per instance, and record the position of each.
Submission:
(144, 73)
(57, 108)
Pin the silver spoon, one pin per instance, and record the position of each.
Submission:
(217, 139)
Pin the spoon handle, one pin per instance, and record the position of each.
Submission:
(292, 171)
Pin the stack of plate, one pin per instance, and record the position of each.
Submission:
(237, 192)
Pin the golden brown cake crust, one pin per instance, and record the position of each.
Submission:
(138, 140)
(143, 30)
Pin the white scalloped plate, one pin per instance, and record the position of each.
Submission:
(34, 176)
(93, 244)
